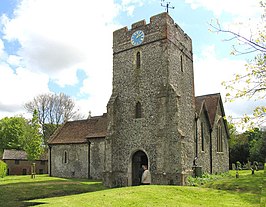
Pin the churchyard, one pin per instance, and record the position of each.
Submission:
(224, 190)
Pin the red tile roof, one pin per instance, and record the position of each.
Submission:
(74, 132)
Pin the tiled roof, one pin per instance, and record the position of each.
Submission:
(211, 101)
(74, 132)
(18, 155)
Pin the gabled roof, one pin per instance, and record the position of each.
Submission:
(18, 155)
(211, 101)
(75, 132)
(202, 108)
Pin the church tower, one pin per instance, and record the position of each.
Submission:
(151, 111)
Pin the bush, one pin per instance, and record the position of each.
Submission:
(3, 169)
(206, 177)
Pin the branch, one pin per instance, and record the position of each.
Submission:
(253, 44)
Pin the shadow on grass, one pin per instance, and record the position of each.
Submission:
(15, 194)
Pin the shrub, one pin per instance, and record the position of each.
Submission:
(206, 177)
(3, 169)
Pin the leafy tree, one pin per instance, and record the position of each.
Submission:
(252, 82)
(247, 146)
(53, 110)
(32, 142)
(239, 149)
(21, 134)
(12, 132)
(257, 146)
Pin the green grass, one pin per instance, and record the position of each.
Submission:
(248, 190)
(15, 190)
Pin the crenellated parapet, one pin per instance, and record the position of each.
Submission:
(161, 27)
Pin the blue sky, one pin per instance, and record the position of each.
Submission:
(66, 46)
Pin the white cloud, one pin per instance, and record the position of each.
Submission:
(130, 5)
(210, 71)
(18, 87)
(64, 38)
(14, 60)
(57, 38)
(247, 8)
(1, 48)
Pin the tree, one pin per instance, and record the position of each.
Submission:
(257, 145)
(21, 134)
(251, 83)
(247, 146)
(32, 141)
(12, 132)
(239, 149)
(53, 110)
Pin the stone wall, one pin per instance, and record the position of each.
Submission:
(220, 159)
(164, 86)
(97, 150)
(203, 151)
(75, 165)
(78, 164)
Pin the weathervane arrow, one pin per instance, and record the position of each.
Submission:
(167, 6)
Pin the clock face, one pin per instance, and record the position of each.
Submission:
(137, 38)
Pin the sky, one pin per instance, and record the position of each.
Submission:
(53, 46)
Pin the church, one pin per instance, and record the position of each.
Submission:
(153, 116)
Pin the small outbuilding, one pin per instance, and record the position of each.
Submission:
(18, 163)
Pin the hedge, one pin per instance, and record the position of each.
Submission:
(3, 169)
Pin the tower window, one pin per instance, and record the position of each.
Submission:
(181, 63)
(138, 110)
(138, 59)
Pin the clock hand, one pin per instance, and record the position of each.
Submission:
(138, 35)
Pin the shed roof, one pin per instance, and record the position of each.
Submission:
(75, 132)
(12, 154)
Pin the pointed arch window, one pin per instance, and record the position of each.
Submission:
(138, 110)
(138, 61)
(202, 136)
(219, 137)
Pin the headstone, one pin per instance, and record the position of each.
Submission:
(233, 166)
(249, 165)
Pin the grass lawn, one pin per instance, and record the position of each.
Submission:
(245, 191)
(15, 190)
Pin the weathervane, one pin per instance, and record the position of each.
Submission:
(167, 5)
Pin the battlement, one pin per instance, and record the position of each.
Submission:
(161, 26)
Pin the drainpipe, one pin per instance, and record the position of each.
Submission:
(50, 160)
(89, 159)
(210, 150)
(196, 120)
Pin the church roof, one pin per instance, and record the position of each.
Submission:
(74, 132)
(11, 154)
(211, 101)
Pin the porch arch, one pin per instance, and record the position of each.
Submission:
(138, 158)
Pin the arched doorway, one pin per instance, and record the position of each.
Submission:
(139, 158)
